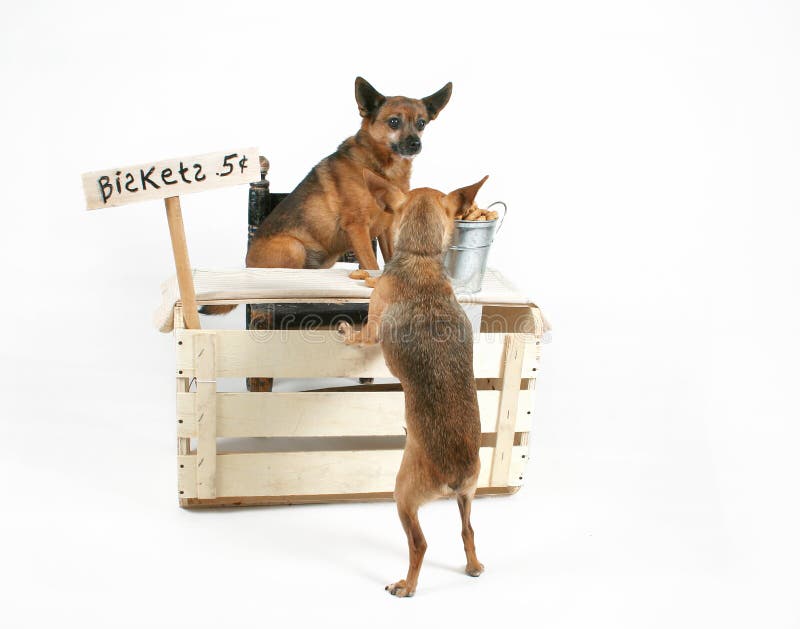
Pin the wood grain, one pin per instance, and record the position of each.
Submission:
(507, 415)
(281, 474)
(322, 354)
(183, 267)
(101, 190)
(206, 415)
(323, 414)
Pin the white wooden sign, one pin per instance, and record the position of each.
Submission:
(169, 178)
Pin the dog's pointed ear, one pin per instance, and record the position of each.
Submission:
(387, 195)
(436, 102)
(368, 98)
(463, 198)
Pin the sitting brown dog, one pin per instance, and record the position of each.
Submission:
(427, 343)
(331, 211)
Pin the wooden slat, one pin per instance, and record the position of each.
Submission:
(506, 418)
(323, 414)
(318, 473)
(206, 414)
(264, 501)
(182, 386)
(525, 405)
(321, 353)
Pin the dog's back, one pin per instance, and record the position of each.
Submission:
(427, 342)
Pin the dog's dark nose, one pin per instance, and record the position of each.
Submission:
(408, 146)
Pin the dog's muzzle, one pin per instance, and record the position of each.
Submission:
(408, 147)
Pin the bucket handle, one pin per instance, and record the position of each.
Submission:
(503, 218)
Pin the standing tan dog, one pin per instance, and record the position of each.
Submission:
(331, 211)
(427, 343)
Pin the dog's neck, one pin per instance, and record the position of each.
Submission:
(407, 257)
(362, 148)
(419, 269)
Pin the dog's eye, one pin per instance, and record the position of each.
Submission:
(394, 123)
(420, 124)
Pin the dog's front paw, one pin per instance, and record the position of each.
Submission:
(351, 337)
(474, 571)
(359, 274)
(399, 589)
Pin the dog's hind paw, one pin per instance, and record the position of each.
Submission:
(399, 589)
(474, 571)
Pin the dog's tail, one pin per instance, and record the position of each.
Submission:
(216, 310)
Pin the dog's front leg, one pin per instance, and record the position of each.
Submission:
(361, 244)
(369, 334)
(365, 336)
(385, 243)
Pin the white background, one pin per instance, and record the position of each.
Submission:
(648, 152)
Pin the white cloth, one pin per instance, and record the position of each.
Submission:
(294, 284)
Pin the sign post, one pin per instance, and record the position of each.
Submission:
(167, 180)
(183, 269)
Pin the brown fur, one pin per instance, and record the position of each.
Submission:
(427, 343)
(331, 211)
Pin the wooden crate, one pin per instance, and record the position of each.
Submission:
(341, 444)
(320, 445)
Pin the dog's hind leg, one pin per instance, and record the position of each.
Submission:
(416, 549)
(275, 252)
(215, 309)
(413, 488)
(474, 567)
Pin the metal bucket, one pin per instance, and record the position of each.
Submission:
(465, 260)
